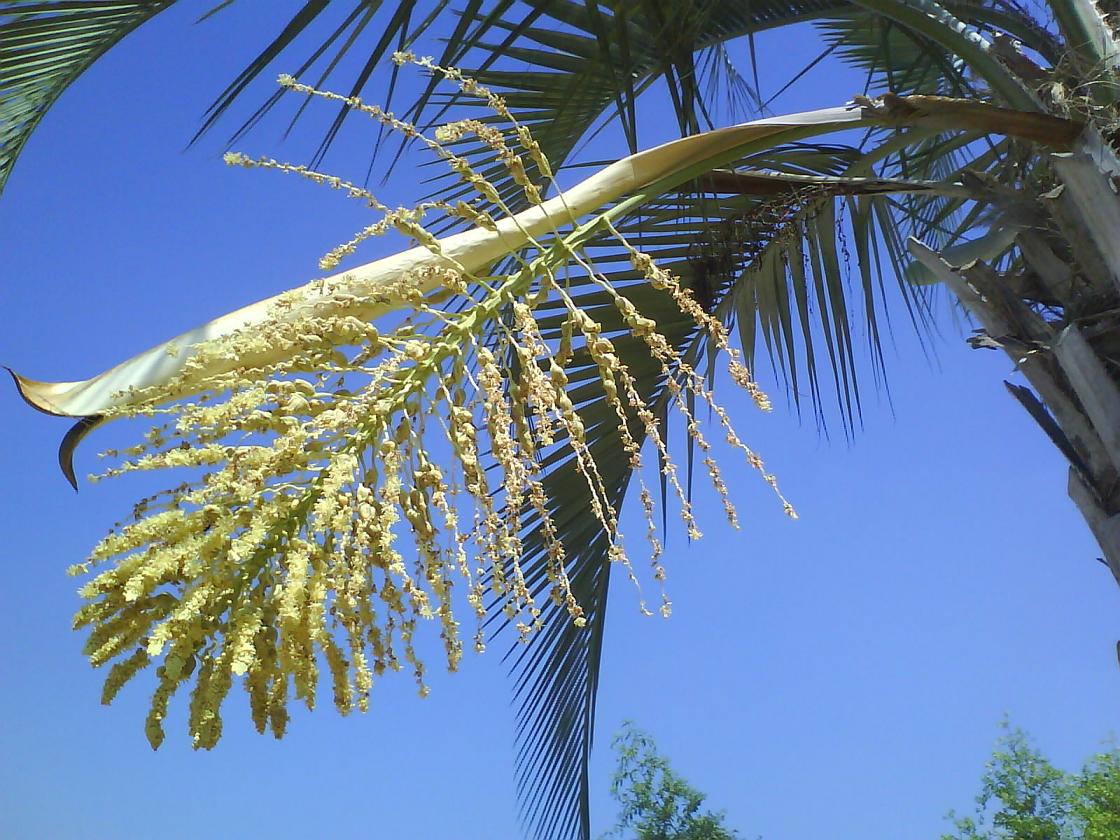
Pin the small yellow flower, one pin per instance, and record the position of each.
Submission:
(316, 526)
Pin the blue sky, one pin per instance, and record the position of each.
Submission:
(840, 676)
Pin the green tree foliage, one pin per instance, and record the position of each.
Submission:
(656, 803)
(1022, 796)
(1025, 797)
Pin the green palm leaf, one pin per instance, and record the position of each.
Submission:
(557, 675)
(44, 46)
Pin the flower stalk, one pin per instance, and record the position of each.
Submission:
(314, 444)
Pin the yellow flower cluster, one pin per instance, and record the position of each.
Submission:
(335, 499)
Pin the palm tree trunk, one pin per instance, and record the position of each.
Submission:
(1071, 360)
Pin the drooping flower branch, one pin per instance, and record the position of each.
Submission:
(343, 479)
(349, 480)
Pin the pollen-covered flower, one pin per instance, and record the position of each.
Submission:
(345, 494)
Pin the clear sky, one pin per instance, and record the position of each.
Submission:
(840, 676)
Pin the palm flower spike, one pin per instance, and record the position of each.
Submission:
(312, 439)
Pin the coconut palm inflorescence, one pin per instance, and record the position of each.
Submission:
(282, 550)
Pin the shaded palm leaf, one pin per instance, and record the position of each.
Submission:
(556, 675)
(359, 30)
(788, 291)
(44, 46)
(578, 63)
(722, 245)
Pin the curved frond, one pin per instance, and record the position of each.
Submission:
(359, 30)
(725, 239)
(44, 46)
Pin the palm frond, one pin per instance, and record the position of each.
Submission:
(905, 60)
(937, 23)
(733, 250)
(44, 46)
(894, 57)
(765, 256)
(557, 674)
(354, 32)
(579, 63)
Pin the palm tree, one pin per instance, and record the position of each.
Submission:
(993, 146)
